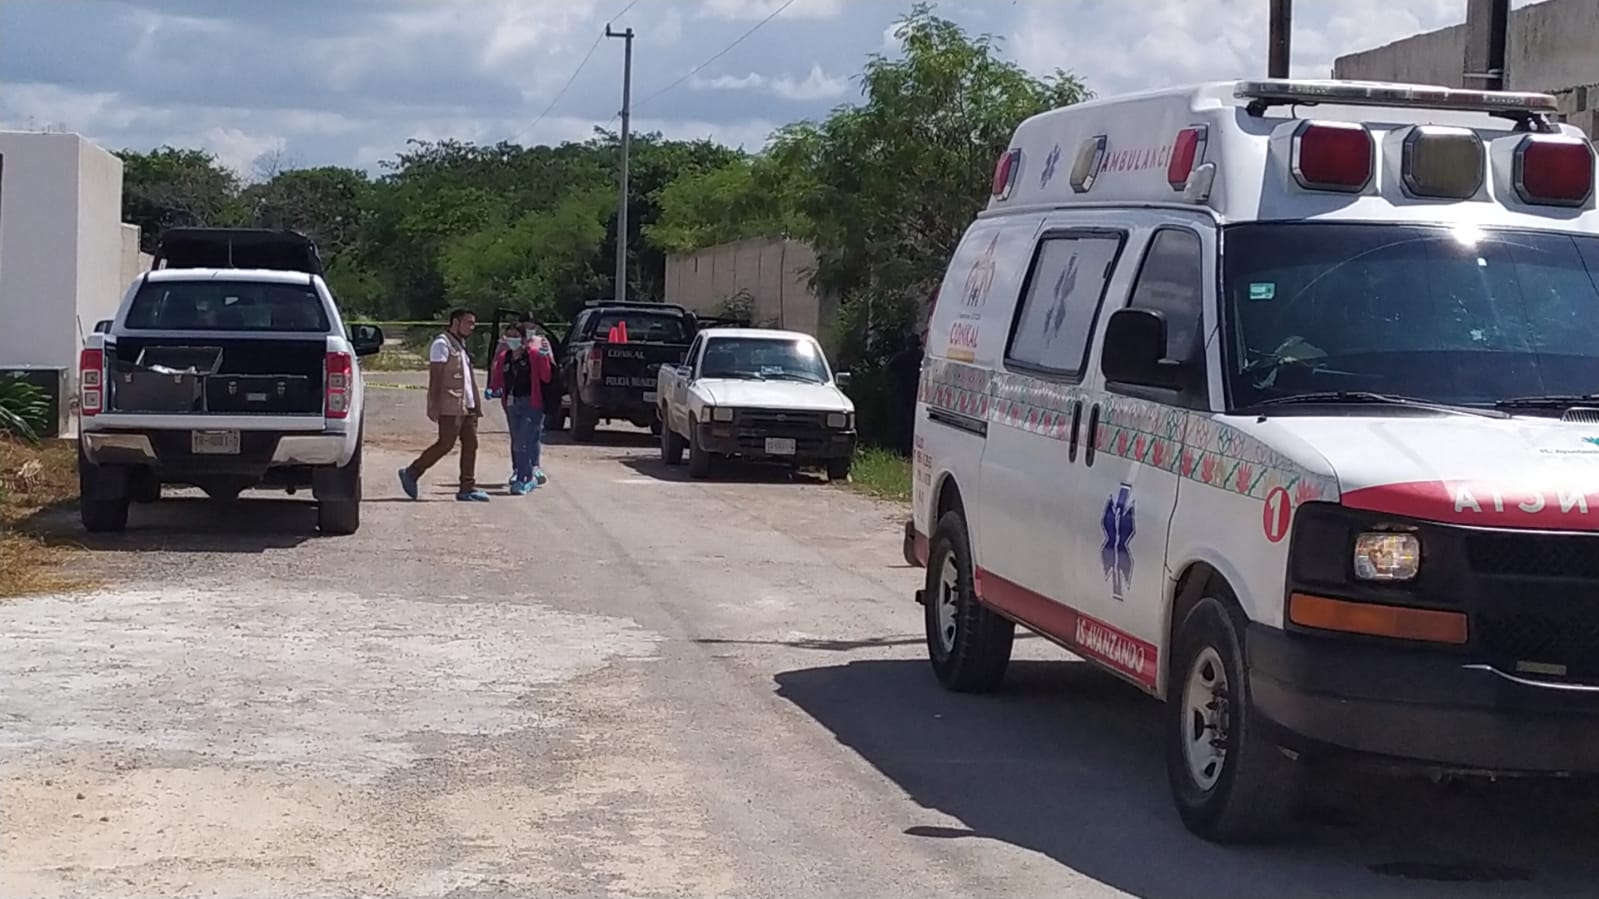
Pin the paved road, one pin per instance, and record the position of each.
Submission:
(625, 684)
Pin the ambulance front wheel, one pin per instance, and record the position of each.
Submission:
(1231, 783)
(968, 644)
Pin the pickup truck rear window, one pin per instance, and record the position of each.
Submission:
(226, 306)
(654, 327)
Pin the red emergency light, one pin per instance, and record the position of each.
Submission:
(1334, 156)
(1005, 173)
(1187, 152)
(1443, 163)
(1554, 170)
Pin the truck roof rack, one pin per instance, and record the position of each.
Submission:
(1530, 111)
(638, 304)
(264, 248)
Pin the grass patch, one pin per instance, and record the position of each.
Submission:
(33, 478)
(395, 358)
(881, 473)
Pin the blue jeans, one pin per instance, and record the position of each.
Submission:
(526, 424)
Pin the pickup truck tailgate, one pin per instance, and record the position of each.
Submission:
(635, 366)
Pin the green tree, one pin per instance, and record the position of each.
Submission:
(170, 187)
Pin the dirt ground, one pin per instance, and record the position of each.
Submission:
(626, 684)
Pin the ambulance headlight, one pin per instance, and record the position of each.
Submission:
(1387, 556)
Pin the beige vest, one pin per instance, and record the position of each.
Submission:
(447, 388)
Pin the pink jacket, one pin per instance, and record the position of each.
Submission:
(541, 375)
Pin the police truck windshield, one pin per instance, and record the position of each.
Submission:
(1451, 315)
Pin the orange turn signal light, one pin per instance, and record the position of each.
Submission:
(1428, 625)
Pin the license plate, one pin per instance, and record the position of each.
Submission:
(215, 443)
(780, 446)
(649, 396)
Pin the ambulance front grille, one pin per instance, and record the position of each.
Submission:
(1573, 556)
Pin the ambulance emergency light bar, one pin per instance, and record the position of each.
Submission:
(1530, 108)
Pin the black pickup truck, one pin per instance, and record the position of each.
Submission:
(615, 380)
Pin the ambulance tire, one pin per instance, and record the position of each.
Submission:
(1254, 788)
(974, 657)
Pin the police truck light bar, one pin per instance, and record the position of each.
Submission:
(1335, 156)
(1554, 170)
(1299, 92)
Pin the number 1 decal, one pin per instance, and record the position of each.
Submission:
(1274, 517)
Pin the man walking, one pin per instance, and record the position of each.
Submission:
(454, 404)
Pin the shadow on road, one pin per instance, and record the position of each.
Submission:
(1065, 761)
(636, 439)
(726, 472)
(188, 524)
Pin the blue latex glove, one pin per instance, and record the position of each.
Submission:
(491, 393)
(544, 348)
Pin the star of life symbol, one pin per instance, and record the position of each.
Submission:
(1118, 527)
(1050, 162)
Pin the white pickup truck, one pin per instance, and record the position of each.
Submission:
(757, 394)
(227, 367)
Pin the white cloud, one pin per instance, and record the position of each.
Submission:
(755, 10)
(818, 85)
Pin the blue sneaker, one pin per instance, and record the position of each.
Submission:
(539, 477)
(472, 496)
(408, 482)
(523, 488)
(514, 487)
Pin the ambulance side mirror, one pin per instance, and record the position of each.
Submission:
(1135, 351)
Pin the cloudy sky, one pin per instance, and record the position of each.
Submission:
(346, 82)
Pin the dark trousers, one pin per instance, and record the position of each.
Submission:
(451, 429)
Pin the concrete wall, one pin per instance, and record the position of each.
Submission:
(100, 282)
(1551, 47)
(133, 263)
(775, 272)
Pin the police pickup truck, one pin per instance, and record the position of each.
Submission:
(610, 356)
(756, 394)
(227, 367)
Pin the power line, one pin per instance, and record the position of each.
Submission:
(575, 72)
(718, 55)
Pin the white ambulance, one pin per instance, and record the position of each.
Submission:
(1280, 400)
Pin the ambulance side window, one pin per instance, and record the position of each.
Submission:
(1061, 300)
(1171, 281)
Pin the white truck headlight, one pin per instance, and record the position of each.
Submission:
(1387, 556)
(840, 420)
(721, 413)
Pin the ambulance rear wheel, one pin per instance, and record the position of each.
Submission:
(1231, 783)
(968, 644)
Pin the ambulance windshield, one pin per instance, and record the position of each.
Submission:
(1462, 316)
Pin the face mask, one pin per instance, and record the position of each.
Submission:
(513, 343)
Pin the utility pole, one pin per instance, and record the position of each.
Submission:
(1487, 28)
(627, 114)
(1282, 38)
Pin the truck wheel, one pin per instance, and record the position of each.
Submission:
(968, 644)
(102, 502)
(584, 421)
(340, 514)
(1231, 784)
(838, 469)
(700, 462)
(671, 447)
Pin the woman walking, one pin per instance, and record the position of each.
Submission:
(517, 376)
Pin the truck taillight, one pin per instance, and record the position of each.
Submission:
(595, 355)
(91, 381)
(340, 377)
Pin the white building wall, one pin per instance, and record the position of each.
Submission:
(100, 283)
(39, 254)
